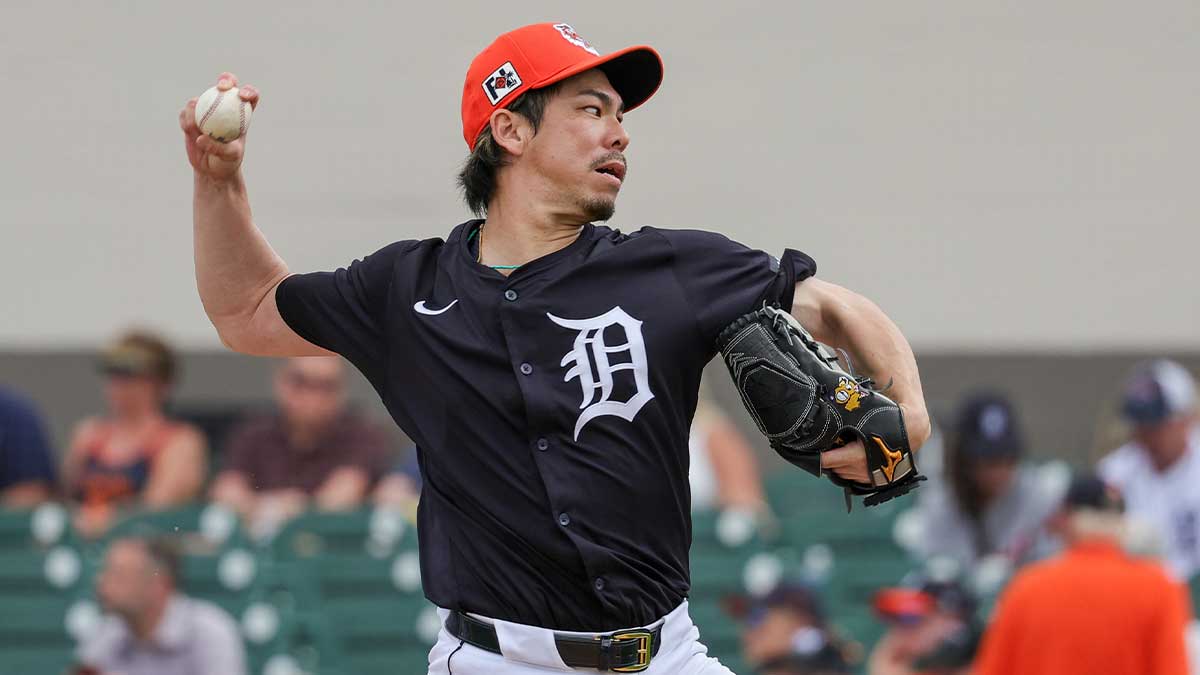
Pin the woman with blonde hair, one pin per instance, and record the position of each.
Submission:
(134, 456)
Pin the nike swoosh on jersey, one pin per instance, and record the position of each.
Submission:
(422, 309)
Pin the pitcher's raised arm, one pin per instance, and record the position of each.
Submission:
(236, 269)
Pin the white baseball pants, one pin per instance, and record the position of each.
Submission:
(529, 650)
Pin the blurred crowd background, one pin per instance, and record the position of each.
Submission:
(1013, 185)
(278, 538)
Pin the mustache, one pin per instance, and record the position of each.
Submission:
(615, 155)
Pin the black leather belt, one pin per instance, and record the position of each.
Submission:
(625, 651)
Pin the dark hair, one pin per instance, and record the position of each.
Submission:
(961, 465)
(477, 179)
(140, 352)
(161, 552)
(986, 429)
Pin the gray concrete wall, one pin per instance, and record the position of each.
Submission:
(999, 176)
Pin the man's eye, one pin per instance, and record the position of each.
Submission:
(594, 110)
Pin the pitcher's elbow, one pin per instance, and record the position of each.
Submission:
(229, 337)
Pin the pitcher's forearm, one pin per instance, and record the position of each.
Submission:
(235, 266)
(884, 354)
(842, 318)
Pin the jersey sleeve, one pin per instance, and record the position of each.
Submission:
(724, 279)
(345, 311)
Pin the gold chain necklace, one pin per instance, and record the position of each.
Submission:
(479, 255)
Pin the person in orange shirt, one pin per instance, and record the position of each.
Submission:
(1094, 609)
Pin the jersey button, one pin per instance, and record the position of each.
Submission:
(526, 369)
(510, 295)
(564, 519)
(543, 444)
(599, 583)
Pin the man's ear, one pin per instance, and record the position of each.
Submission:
(510, 131)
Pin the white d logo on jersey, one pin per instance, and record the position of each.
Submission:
(595, 371)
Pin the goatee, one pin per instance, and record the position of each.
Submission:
(599, 210)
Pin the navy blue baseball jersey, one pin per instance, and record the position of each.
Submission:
(551, 407)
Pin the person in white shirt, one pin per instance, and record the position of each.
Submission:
(152, 628)
(988, 500)
(1158, 470)
(723, 472)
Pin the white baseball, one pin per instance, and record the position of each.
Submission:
(222, 114)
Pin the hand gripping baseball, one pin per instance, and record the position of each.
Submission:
(211, 158)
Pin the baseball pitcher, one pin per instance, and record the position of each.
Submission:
(547, 366)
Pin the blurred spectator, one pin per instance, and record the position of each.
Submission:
(1158, 470)
(932, 630)
(1095, 609)
(313, 453)
(400, 489)
(988, 501)
(26, 467)
(152, 628)
(824, 660)
(786, 632)
(135, 456)
(723, 472)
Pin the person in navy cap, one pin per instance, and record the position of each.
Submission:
(990, 501)
(1158, 469)
(787, 632)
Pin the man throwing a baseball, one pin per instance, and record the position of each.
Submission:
(547, 366)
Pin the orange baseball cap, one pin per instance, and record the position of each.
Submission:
(544, 53)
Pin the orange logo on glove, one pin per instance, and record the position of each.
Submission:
(893, 457)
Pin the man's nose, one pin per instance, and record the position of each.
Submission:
(620, 138)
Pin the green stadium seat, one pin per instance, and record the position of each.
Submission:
(36, 573)
(314, 644)
(37, 588)
(228, 578)
(719, 631)
(375, 635)
(351, 534)
(722, 545)
(40, 528)
(167, 523)
(714, 622)
(15, 532)
(792, 492)
(35, 659)
(370, 611)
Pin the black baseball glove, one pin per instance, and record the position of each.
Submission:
(806, 404)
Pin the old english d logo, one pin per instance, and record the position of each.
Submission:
(591, 364)
(893, 457)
